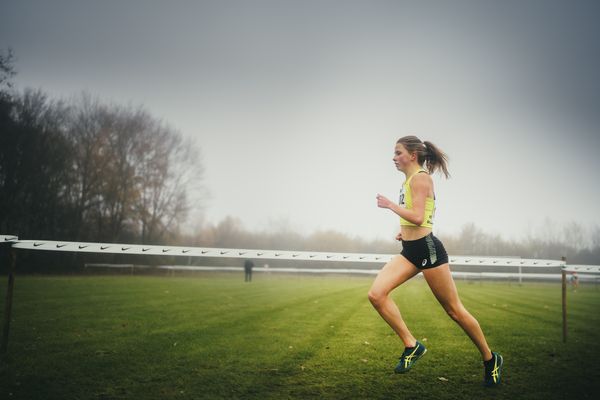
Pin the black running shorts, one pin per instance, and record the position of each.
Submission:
(427, 252)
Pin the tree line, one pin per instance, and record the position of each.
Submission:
(86, 170)
(549, 241)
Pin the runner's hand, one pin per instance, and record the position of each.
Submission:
(383, 202)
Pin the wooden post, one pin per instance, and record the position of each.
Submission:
(564, 302)
(8, 302)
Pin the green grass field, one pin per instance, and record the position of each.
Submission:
(287, 336)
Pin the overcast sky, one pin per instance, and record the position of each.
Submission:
(297, 105)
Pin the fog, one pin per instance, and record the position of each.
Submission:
(296, 106)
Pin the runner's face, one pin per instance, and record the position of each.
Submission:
(402, 158)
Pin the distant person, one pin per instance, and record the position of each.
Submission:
(423, 252)
(575, 280)
(248, 265)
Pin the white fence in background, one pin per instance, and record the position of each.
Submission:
(586, 271)
(482, 265)
(459, 275)
(137, 249)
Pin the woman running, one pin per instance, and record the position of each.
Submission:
(423, 252)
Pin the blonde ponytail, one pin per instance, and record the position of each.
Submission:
(428, 154)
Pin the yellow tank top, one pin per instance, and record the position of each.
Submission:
(406, 202)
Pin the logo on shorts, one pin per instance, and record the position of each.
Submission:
(424, 263)
(432, 249)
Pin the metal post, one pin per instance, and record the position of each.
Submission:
(564, 303)
(520, 275)
(8, 302)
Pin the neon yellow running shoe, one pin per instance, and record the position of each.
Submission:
(410, 357)
(493, 370)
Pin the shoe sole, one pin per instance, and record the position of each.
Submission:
(411, 365)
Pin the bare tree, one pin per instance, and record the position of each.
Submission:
(133, 173)
(168, 169)
(573, 235)
(89, 163)
(125, 131)
(595, 237)
(7, 69)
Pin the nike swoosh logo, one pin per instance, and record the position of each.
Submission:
(125, 248)
(104, 247)
(37, 244)
(166, 250)
(82, 247)
(58, 246)
(185, 251)
(146, 249)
